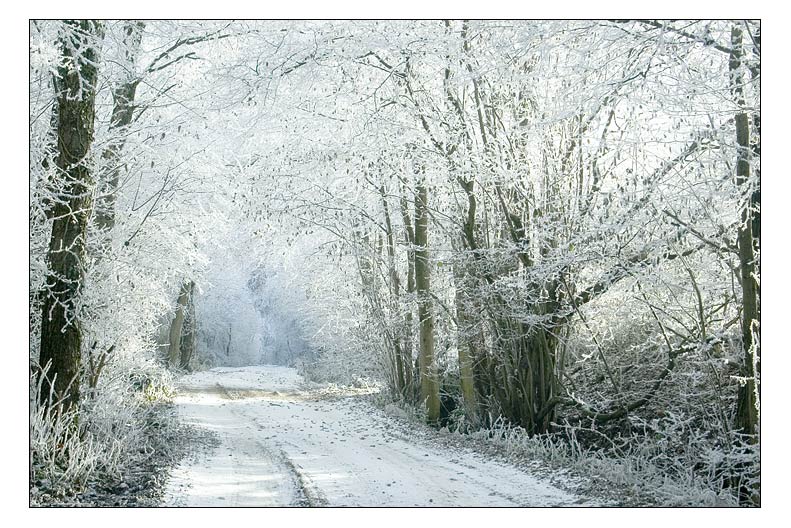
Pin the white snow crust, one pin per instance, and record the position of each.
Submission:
(285, 443)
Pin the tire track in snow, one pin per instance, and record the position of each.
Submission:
(284, 444)
(313, 496)
(306, 493)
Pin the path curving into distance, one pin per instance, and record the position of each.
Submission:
(283, 442)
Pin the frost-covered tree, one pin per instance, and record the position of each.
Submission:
(71, 205)
(555, 222)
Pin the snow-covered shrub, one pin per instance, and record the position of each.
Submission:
(60, 458)
(646, 469)
(109, 433)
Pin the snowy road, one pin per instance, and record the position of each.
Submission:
(284, 444)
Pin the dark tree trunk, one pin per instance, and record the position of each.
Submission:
(747, 404)
(401, 362)
(123, 110)
(747, 412)
(61, 336)
(188, 331)
(228, 346)
(429, 385)
(176, 327)
(411, 367)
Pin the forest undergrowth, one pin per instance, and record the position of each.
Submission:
(655, 468)
(116, 450)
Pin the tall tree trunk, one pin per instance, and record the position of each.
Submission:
(747, 405)
(395, 291)
(174, 352)
(123, 110)
(412, 375)
(429, 385)
(188, 331)
(61, 335)
(467, 349)
(748, 396)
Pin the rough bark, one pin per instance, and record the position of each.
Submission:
(467, 350)
(401, 361)
(429, 385)
(412, 374)
(176, 326)
(188, 331)
(748, 395)
(747, 404)
(61, 336)
(123, 110)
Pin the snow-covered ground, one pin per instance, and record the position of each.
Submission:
(284, 442)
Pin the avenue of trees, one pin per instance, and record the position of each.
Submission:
(554, 223)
